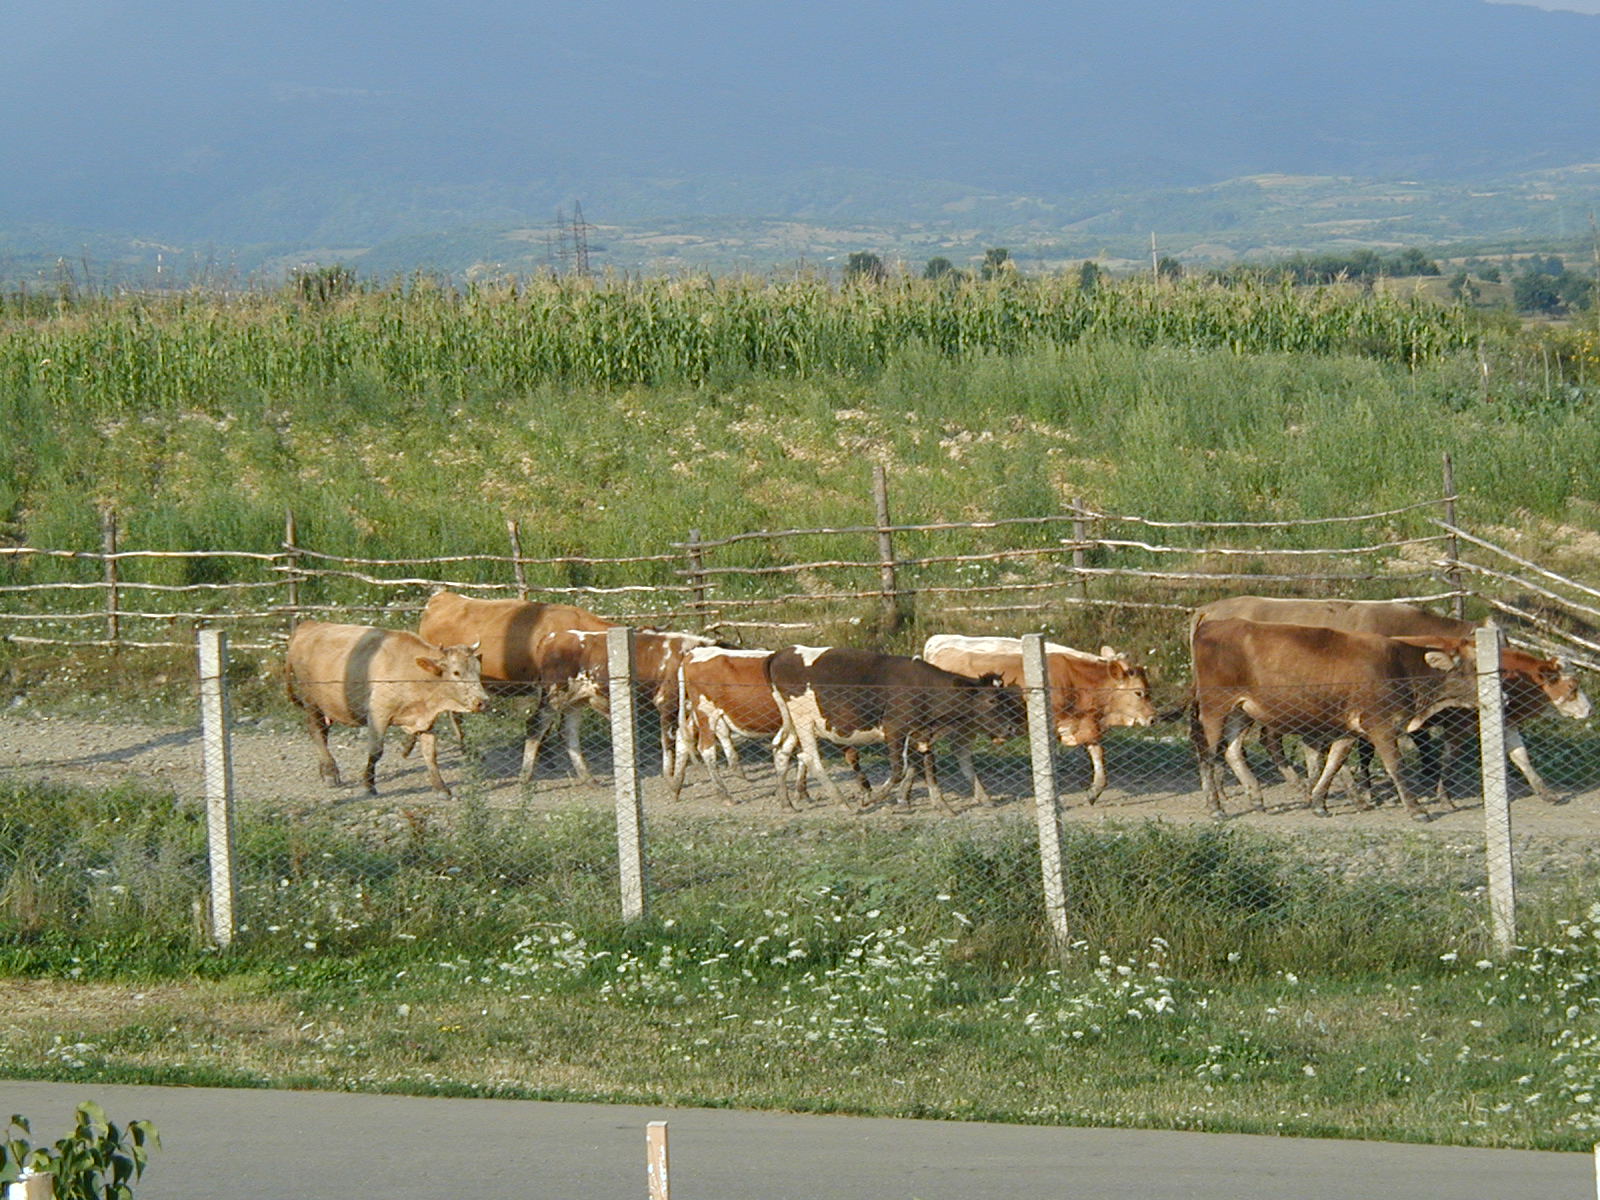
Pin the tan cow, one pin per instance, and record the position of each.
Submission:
(509, 632)
(361, 676)
(1531, 685)
(1089, 693)
(1328, 685)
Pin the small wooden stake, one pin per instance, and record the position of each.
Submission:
(655, 1141)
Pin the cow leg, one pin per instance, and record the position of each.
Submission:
(900, 775)
(570, 720)
(1204, 734)
(980, 794)
(369, 776)
(1517, 752)
(328, 769)
(1097, 765)
(540, 720)
(933, 783)
(852, 759)
(1235, 728)
(813, 756)
(788, 745)
(1272, 743)
(730, 750)
(430, 755)
(1338, 751)
(1383, 742)
(1450, 742)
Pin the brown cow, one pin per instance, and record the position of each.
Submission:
(1530, 684)
(1328, 685)
(509, 632)
(723, 694)
(573, 668)
(860, 697)
(1089, 693)
(358, 675)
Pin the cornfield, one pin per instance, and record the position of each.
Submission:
(116, 355)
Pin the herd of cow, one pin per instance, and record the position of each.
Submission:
(1340, 675)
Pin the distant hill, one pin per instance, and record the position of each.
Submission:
(275, 130)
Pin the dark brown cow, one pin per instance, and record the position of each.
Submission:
(1531, 685)
(1089, 693)
(509, 631)
(358, 675)
(860, 697)
(1328, 685)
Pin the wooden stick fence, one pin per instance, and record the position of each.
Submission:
(1094, 564)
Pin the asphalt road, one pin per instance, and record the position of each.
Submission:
(333, 1146)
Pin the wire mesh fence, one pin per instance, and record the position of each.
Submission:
(928, 781)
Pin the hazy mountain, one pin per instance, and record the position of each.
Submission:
(347, 124)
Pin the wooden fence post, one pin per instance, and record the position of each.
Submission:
(625, 773)
(291, 574)
(1496, 800)
(697, 579)
(514, 528)
(1080, 532)
(1458, 603)
(886, 569)
(217, 756)
(1041, 742)
(108, 545)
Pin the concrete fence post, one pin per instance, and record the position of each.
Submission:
(1041, 742)
(656, 1164)
(1496, 800)
(216, 721)
(34, 1187)
(625, 771)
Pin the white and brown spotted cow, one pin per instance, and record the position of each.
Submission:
(723, 698)
(860, 697)
(1089, 693)
(573, 669)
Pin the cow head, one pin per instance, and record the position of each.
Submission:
(1455, 685)
(1126, 698)
(998, 710)
(1520, 670)
(459, 670)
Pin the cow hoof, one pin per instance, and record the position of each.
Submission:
(1424, 817)
(1322, 812)
(1218, 815)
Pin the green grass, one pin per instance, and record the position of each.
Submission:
(1218, 979)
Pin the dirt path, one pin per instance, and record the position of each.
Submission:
(1152, 778)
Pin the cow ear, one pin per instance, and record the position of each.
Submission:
(1108, 652)
(431, 665)
(1440, 660)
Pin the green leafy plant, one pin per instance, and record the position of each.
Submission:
(96, 1161)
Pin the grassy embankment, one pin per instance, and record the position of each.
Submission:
(611, 419)
(1221, 980)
